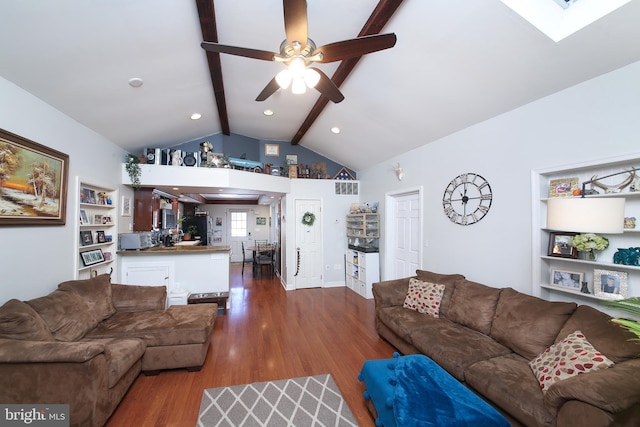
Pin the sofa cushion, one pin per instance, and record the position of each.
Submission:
(473, 305)
(65, 314)
(455, 347)
(448, 280)
(424, 297)
(526, 324)
(179, 324)
(138, 298)
(572, 356)
(608, 337)
(508, 382)
(19, 321)
(403, 321)
(121, 355)
(96, 292)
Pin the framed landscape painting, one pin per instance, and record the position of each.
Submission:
(33, 182)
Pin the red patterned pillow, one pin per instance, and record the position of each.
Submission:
(424, 297)
(572, 356)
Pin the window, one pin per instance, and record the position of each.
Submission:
(238, 224)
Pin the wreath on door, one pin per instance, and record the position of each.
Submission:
(308, 218)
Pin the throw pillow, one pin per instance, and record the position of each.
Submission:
(65, 314)
(424, 297)
(572, 356)
(95, 292)
(19, 321)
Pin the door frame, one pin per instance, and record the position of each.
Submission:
(390, 199)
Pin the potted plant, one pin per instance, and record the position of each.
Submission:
(132, 167)
(628, 305)
(191, 231)
(587, 243)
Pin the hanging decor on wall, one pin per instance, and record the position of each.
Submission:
(308, 218)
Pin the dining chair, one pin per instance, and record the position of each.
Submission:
(244, 258)
(264, 257)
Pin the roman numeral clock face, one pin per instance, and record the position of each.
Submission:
(467, 199)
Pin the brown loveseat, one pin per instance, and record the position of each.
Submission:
(485, 337)
(86, 342)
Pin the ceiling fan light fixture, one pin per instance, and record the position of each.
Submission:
(311, 77)
(298, 87)
(283, 78)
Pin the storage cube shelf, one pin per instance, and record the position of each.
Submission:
(96, 229)
(362, 270)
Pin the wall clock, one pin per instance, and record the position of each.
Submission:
(467, 199)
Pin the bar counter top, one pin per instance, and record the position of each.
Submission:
(177, 250)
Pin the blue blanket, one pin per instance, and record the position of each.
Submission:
(414, 391)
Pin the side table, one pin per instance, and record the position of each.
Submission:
(219, 298)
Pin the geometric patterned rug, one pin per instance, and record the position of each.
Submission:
(297, 402)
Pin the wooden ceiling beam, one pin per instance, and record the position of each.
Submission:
(207, 16)
(376, 22)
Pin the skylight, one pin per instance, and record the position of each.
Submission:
(559, 19)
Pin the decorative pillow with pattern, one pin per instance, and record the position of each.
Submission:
(572, 356)
(424, 297)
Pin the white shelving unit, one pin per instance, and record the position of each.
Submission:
(543, 264)
(363, 231)
(363, 269)
(96, 221)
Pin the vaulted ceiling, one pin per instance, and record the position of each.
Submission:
(455, 64)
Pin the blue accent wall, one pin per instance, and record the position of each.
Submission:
(237, 145)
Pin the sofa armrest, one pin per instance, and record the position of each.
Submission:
(138, 298)
(615, 389)
(17, 351)
(390, 292)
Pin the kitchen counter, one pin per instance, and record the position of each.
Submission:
(177, 250)
(198, 269)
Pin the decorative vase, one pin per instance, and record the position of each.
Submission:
(587, 255)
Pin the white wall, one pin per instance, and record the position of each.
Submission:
(34, 259)
(334, 237)
(593, 120)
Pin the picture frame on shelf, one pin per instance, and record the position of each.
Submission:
(86, 238)
(92, 257)
(610, 284)
(107, 256)
(97, 219)
(126, 206)
(88, 196)
(84, 219)
(106, 220)
(32, 166)
(571, 280)
(272, 150)
(563, 187)
(100, 237)
(559, 245)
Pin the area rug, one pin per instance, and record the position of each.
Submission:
(299, 402)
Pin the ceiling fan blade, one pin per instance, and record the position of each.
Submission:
(269, 90)
(355, 47)
(326, 87)
(295, 21)
(239, 51)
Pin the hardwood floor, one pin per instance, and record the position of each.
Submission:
(267, 334)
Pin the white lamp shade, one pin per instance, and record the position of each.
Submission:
(586, 215)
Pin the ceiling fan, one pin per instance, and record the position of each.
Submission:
(298, 51)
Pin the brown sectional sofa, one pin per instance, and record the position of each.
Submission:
(485, 337)
(86, 342)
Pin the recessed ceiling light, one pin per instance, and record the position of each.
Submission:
(268, 112)
(335, 129)
(135, 82)
(176, 188)
(196, 116)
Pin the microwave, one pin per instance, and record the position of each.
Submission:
(135, 241)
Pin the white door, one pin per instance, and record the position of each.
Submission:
(239, 230)
(308, 246)
(406, 236)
